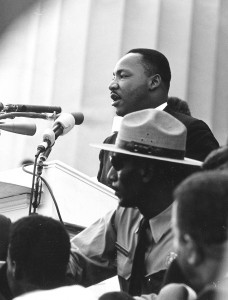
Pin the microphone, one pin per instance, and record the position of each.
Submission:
(62, 125)
(65, 122)
(30, 108)
(21, 128)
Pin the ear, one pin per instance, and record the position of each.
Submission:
(192, 251)
(12, 268)
(154, 81)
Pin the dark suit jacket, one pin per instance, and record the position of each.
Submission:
(200, 142)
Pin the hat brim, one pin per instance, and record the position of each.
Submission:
(114, 148)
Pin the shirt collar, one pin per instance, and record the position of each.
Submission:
(162, 106)
(160, 224)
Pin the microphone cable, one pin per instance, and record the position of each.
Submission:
(47, 185)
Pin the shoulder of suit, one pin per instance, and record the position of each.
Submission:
(186, 119)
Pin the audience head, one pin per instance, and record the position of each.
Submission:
(5, 224)
(148, 160)
(200, 226)
(178, 105)
(38, 254)
(116, 296)
(141, 80)
(217, 159)
(26, 161)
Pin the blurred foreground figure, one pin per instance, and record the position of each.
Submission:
(38, 254)
(200, 218)
(217, 159)
(5, 224)
(116, 296)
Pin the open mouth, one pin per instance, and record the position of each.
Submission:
(115, 97)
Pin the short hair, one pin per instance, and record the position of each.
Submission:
(202, 207)
(178, 105)
(116, 296)
(40, 246)
(217, 159)
(155, 62)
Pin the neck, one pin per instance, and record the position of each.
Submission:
(159, 99)
(155, 202)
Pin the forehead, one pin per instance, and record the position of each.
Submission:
(130, 61)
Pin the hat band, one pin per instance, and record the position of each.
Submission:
(150, 150)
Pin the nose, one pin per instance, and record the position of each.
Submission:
(113, 85)
(112, 175)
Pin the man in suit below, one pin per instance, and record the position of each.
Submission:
(141, 80)
(200, 226)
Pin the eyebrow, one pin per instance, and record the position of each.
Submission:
(121, 70)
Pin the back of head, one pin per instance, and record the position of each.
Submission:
(5, 224)
(155, 63)
(217, 159)
(40, 248)
(202, 207)
(178, 105)
(116, 296)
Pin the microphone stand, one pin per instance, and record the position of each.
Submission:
(44, 116)
(37, 185)
(35, 196)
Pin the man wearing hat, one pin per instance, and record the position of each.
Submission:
(135, 240)
(141, 80)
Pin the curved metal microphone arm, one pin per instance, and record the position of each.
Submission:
(44, 116)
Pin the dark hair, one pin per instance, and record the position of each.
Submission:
(5, 224)
(178, 105)
(40, 246)
(202, 207)
(155, 62)
(217, 159)
(116, 296)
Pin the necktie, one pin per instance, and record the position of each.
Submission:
(137, 272)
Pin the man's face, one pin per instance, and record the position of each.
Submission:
(126, 179)
(129, 86)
